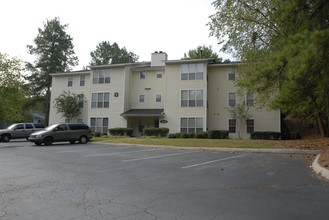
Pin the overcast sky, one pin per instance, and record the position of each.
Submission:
(142, 26)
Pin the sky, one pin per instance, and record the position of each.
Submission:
(142, 26)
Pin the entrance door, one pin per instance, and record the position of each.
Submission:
(141, 125)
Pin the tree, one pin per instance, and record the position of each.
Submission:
(283, 48)
(12, 90)
(54, 53)
(240, 114)
(202, 52)
(68, 105)
(106, 53)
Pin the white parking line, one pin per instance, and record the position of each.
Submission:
(73, 151)
(154, 157)
(121, 152)
(213, 161)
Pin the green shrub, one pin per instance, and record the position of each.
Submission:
(201, 135)
(121, 131)
(265, 135)
(218, 134)
(184, 135)
(192, 135)
(158, 132)
(172, 135)
(97, 134)
(178, 135)
(294, 135)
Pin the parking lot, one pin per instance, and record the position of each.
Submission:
(98, 181)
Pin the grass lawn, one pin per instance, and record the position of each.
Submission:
(187, 142)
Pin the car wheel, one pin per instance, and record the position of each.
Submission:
(72, 142)
(48, 141)
(5, 137)
(83, 139)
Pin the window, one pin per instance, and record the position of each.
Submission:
(231, 125)
(192, 71)
(19, 126)
(28, 126)
(70, 81)
(250, 125)
(191, 125)
(141, 98)
(158, 97)
(231, 99)
(159, 75)
(99, 125)
(156, 123)
(82, 80)
(142, 75)
(100, 100)
(192, 98)
(102, 76)
(250, 99)
(81, 100)
(231, 74)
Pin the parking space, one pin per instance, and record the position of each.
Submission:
(99, 181)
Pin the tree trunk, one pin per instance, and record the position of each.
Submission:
(322, 127)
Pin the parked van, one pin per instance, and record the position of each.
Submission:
(20, 130)
(71, 132)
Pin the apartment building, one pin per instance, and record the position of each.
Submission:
(187, 96)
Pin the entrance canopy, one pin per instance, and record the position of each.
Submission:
(143, 113)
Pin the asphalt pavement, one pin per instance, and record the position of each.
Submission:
(97, 181)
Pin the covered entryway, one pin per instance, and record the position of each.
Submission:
(138, 119)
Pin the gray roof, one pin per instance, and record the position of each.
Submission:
(143, 112)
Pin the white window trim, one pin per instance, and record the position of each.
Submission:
(156, 97)
(253, 99)
(139, 100)
(228, 99)
(195, 117)
(91, 99)
(228, 121)
(203, 98)
(204, 76)
(69, 79)
(159, 73)
(140, 75)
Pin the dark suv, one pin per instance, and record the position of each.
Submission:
(20, 130)
(71, 132)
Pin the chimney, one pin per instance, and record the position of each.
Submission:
(158, 58)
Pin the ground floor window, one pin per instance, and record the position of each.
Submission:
(99, 125)
(250, 125)
(232, 125)
(156, 123)
(191, 125)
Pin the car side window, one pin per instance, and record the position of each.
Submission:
(28, 126)
(62, 127)
(19, 127)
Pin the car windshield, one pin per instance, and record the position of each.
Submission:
(12, 126)
(51, 127)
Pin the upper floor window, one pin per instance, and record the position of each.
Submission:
(70, 81)
(192, 98)
(193, 71)
(82, 80)
(141, 98)
(81, 100)
(102, 76)
(250, 99)
(231, 74)
(231, 99)
(159, 75)
(142, 75)
(100, 100)
(158, 97)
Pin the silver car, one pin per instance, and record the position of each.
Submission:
(20, 130)
(71, 132)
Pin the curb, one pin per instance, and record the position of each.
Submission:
(319, 169)
(249, 150)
